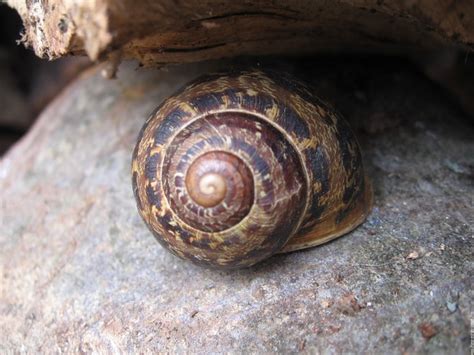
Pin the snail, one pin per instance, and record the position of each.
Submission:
(239, 166)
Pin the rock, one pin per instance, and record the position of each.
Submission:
(79, 271)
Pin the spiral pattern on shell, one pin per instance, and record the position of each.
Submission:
(227, 170)
(218, 152)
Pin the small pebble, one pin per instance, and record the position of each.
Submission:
(326, 303)
(427, 330)
(452, 306)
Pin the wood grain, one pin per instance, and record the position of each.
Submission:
(161, 32)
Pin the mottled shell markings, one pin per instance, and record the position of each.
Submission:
(237, 167)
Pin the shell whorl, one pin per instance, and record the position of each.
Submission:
(233, 180)
(220, 177)
(235, 167)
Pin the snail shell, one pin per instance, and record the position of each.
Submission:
(237, 167)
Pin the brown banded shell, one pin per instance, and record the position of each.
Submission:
(237, 167)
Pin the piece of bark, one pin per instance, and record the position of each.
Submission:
(80, 272)
(159, 32)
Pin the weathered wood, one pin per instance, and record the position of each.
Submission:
(166, 31)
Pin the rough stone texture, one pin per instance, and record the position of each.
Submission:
(79, 271)
(168, 31)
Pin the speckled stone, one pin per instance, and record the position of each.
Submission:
(79, 271)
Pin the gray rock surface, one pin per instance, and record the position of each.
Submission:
(79, 271)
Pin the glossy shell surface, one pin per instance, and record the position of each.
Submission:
(237, 167)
